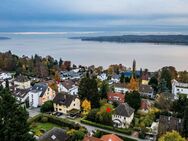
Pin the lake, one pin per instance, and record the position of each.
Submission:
(57, 45)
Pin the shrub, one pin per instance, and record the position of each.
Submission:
(44, 119)
(47, 107)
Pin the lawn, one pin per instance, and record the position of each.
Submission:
(39, 128)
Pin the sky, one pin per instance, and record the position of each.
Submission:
(91, 15)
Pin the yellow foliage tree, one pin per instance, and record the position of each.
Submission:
(86, 105)
(172, 136)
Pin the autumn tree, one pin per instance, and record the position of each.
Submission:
(172, 136)
(86, 105)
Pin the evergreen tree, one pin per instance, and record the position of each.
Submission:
(104, 89)
(88, 90)
(133, 99)
(13, 119)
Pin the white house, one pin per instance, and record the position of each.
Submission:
(4, 76)
(179, 88)
(116, 78)
(65, 103)
(68, 86)
(39, 94)
(123, 116)
(121, 88)
(146, 90)
(22, 82)
(102, 76)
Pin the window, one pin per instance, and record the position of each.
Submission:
(60, 109)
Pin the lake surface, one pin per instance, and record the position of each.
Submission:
(57, 45)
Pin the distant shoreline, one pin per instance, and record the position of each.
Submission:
(5, 38)
(156, 39)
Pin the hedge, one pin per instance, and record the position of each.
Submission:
(124, 131)
(55, 120)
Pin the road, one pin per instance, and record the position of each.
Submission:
(35, 111)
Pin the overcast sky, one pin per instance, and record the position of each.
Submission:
(92, 14)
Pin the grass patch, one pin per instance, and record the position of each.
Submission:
(39, 128)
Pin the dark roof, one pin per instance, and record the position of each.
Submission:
(145, 89)
(40, 87)
(124, 110)
(55, 134)
(169, 123)
(21, 93)
(64, 99)
(21, 78)
(68, 84)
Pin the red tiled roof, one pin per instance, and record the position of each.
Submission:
(88, 138)
(110, 137)
(116, 97)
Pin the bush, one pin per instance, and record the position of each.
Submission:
(44, 119)
(47, 107)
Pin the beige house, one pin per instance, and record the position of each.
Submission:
(22, 82)
(64, 103)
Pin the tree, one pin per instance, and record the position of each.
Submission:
(183, 77)
(104, 89)
(154, 83)
(164, 101)
(171, 136)
(88, 90)
(76, 135)
(185, 123)
(133, 99)
(47, 106)
(13, 119)
(86, 105)
(168, 73)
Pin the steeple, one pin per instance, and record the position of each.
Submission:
(134, 69)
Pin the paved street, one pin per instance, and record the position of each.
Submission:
(33, 112)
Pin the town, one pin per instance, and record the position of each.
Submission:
(66, 102)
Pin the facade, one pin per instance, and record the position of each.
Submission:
(146, 90)
(121, 88)
(64, 103)
(116, 97)
(39, 94)
(22, 82)
(179, 88)
(123, 116)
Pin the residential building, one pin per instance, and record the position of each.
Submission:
(146, 90)
(121, 88)
(65, 103)
(116, 78)
(108, 137)
(22, 82)
(68, 86)
(21, 94)
(169, 123)
(179, 89)
(40, 93)
(4, 76)
(116, 97)
(102, 76)
(55, 134)
(123, 116)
